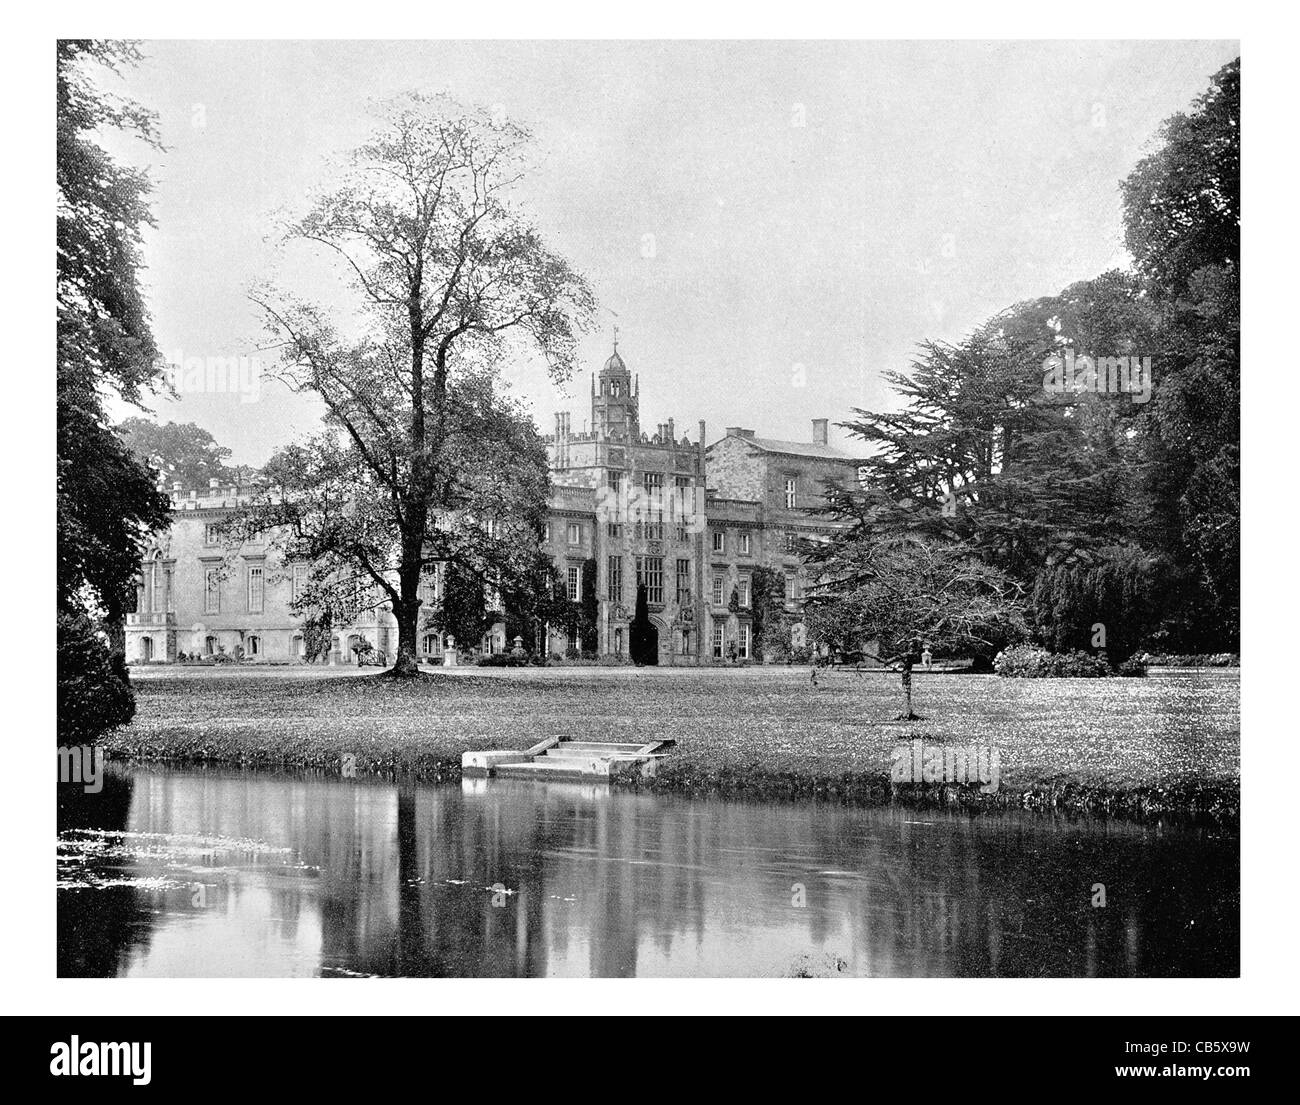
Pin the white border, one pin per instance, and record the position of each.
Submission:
(1269, 959)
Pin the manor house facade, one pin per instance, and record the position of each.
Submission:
(691, 522)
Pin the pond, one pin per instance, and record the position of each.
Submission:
(205, 873)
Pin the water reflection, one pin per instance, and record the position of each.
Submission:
(208, 873)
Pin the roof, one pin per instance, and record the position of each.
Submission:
(797, 448)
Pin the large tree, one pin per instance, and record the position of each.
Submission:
(180, 452)
(1182, 218)
(905, 594)
(107, 502)
(447, 278)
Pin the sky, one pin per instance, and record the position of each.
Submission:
(771, 225)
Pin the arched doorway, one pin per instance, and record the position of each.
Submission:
(645, 642)
(146, 649)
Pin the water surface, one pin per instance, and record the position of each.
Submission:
(196, 872)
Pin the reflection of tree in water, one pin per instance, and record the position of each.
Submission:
(1012, 896)
(580, 865)
(96, 926)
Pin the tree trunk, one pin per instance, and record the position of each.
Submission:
(407, 662)
(907, 714)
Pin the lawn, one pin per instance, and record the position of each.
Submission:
(1164, 745)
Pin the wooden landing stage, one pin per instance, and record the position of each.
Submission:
(562, 758)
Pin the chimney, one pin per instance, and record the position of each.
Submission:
(672, 430)
(819, 431)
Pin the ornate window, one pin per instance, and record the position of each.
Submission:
(650, 571)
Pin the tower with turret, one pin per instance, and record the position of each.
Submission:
(615, 398)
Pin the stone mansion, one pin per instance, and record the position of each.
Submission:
(692, 522)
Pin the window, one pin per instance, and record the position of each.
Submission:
(686, 642)
(791, 541)
(575, 533)
(654, 531)
(744, 544)
(169, 594)
(210, 646)
(614, 530)
(791, 489)
(744, 641)
(256, 589)
(254, 646)
(719, 541)
(744, 590)
(683, 485)
(615, 579)
(618, 641)
(787, 587)
(718, 584)
(615, 480)
(650, 571)
(299, 580)
(575, 582)
(430, 644)
(717, 640)
(653, 482)
(681, 534)
(212, 591)
(212, 533)
(683, 581)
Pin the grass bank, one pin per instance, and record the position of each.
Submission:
(1162, 747)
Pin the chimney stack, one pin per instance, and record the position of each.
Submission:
(819, 430)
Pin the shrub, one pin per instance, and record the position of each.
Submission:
(94, 691)
(1031, 662)
(1134, 666)
(503, 660)
(1194, 660)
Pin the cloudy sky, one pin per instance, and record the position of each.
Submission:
(771, 225)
